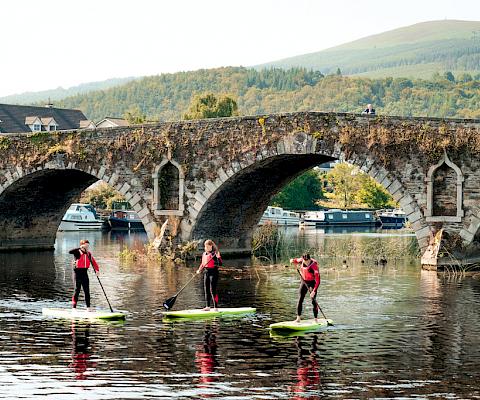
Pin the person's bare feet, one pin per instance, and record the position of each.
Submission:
(206, 309)
(215, 309)
(317, 321)
(297, 320)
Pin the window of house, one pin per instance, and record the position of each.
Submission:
(52, 127)
(37, 127)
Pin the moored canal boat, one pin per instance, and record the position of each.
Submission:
(81, 217)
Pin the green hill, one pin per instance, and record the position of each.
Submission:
(415, 51)
(167, 96)
(61, 93)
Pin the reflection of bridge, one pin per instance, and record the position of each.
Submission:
(214, 178)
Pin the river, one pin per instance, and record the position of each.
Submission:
(399, 332)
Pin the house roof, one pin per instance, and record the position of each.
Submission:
(115, 121)
(14, 117)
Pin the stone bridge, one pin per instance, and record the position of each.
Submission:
(214, 178)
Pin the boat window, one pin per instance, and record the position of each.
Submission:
(76, 217)
(367, 215)
(344, 216)
(330, 216)
(72, 208)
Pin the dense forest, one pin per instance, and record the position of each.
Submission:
(168, 96)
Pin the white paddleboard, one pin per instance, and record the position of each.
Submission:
(73, 313)
(211, 313)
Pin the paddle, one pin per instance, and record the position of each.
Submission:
(100, 282)
(168, 304)
(111, 309)
(316, 303)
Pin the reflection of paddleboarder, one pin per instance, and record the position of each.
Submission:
(81, 351)
(206, 358)
(308, 376)
(310, 280)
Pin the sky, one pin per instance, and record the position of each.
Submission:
(50, 43)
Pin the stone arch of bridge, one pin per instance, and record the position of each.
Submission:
(32, 202)
(229, 208)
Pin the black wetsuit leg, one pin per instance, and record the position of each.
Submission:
(302, 291)
(210, 281)
(81, 281)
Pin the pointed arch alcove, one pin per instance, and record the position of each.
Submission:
(444, 205)
(169, 188)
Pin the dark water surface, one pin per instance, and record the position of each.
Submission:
(399, 332)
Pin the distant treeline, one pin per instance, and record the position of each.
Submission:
(167, 96)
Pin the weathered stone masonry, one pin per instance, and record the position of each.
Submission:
(214, 178)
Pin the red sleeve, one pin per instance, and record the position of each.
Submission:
(317, 277)
(298, 260)
(94, 263)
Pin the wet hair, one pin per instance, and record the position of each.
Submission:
(83, 241)
(306, 256)
(211, 243)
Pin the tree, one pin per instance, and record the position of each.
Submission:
(374, 195)
(449, 76)
(345, 183)
(209, 106)
(101, 196)
(300, 194)
(135, 116)
(339, 72)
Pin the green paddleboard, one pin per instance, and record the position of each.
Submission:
(304, 325)
(205, 314)
(70, 313)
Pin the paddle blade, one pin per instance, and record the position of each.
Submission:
(168, 304)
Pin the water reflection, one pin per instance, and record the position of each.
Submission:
(399, 332)
(206, 358)
(81, 350)
(307, 373)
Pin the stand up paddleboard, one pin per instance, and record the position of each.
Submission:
(70, 313)
(304, 325)
(206, 314)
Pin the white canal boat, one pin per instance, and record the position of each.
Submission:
(81, 217)
(279, 216)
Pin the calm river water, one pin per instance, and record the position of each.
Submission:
(399, 332)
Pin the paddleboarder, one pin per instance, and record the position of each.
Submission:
(310, 280)
(211, 260)
(82, 261)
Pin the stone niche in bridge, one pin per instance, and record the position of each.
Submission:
(444, 192)
(168, 188)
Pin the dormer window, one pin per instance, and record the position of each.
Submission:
(52, 127)
(37, 127)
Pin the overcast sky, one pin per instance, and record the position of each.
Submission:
(49, 43)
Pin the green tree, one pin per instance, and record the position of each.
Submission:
(449, 76)
(210, 106)
(135, 116)
(344, 179)
(339, 72)
(300, 194)
(101, 196)
(374, 195)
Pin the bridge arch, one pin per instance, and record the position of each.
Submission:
(229, 208)
(33, 201)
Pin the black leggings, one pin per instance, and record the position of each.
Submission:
(302, 291)
(81, 279)
(210, 280)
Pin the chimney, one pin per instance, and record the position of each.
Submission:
(49, 104)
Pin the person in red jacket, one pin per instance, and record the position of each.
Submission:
(83, 259)
(211, 260)
(310, 279)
